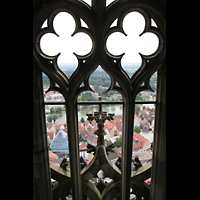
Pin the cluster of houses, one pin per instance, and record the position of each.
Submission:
(52, 95)
(112, 129)
(143, 119)
(57, 136)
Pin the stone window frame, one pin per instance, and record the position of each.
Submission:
(129, 88)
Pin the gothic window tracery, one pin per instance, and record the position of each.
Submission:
(98, 22)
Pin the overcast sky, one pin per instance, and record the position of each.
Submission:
(81, 43)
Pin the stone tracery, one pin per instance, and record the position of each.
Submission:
(98, 19)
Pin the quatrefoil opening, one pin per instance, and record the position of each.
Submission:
(133, 38)
(66, 42)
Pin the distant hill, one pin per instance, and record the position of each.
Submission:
(131, 65)
(99, 76)
(74, 65)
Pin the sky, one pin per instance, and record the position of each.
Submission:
(81, 43)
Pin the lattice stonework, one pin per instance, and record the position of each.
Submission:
(99, 19)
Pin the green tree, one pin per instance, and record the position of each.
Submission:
(152, 117)
(49, 118)
(54, 117)
(137, 109)
(139, 97)
(80, 98)
(82, 120)
(58, 109)
(118, 141)
(137, 129)
(52, 110)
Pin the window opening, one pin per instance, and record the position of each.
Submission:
(65, 43)
(143, 137)
(57, 134)
(50, 96)
(153, 23)
(99, 81)
(132, 42)
(150, 93)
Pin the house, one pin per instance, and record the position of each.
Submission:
(50, 135)
(136, 120)
(145, 126)
(146, 146)
(59, 144)
(53, 128)
(59, 126)
(89, 136)
(54, 95)
(138, 141)
(94, 123)
(143, 113)
(111, 127)
(87, 123)
(80, 127)
(114, 132)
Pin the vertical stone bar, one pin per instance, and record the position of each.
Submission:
(127, 143)
(41, 169)
(158, 174)
(73, 140)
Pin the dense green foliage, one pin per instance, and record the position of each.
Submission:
(137, 129)
(118, 141)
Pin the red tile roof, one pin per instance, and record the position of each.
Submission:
(94, 123)
(95, 128)
(86, 123)
(118, 121)
(137, 118)
(143, 112)
(50, 134)
(139, 138)
(52, 155)
(82, 146)
(80, 127)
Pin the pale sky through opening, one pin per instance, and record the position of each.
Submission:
(117, 43)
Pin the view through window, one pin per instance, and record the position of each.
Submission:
(99, 81)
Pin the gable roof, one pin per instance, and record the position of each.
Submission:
(58, 126)
(144, 121)
(139, 138)
(117, 121)
(143, 112)
(94, 123)
(51, 134)
(87, 123)
(80, 127)
(137, 118)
